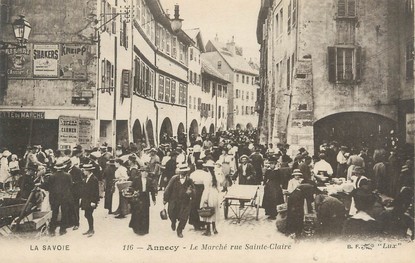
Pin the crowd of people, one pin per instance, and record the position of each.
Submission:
(193, 179)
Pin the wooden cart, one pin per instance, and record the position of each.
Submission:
(251, 194)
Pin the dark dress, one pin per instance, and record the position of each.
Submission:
(357, 228)
(76, 189)
(140, 206)
(258, 162)
(295, 208)
(109, 177)
(272, 192)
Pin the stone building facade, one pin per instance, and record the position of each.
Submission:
(334, 70)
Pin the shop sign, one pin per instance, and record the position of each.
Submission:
(36, 115)
(410, 128)
(45, 60)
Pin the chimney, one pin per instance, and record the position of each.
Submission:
(216, 38)
(230, 46)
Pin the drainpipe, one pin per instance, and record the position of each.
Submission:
(98, 84)
(157, 122)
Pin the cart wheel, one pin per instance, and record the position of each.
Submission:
(226, 209)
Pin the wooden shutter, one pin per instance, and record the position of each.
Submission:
(359, 65)
(3, 74)
(341, 8)
(332, 63)
(126, 83)
(351, 8)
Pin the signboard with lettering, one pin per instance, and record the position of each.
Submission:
(86, 132)
(410, 128)
(36, 115)
(19, 62)
(73, 61)
(68, 132)
(45, 60)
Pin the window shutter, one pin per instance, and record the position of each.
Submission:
(341, 8)
(351, 8)
(3, 74)
(358, 64)
(332, 63)
(126, 83)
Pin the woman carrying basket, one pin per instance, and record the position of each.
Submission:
(210, 199)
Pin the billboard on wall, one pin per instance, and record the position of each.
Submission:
(73, 61)
(45, 60)
(75, 131)
(19, 62)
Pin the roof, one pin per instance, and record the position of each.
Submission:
(196, 35)
(209, 69)
(236, 62)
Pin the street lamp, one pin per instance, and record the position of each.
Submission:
(21, 29)
(176, 23)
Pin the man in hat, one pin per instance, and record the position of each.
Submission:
(90, 197)
(295, 181)
(272, 190)
(246, 172)
(31, 159)
(199, 176)
(76, 190)
(179, 194)
(59, 187)
(181, 156)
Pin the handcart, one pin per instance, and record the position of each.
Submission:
(237, 194)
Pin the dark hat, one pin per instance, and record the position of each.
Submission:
(88, 167)
(273, 159)
(88, 150)
(322, 156)
(111, 161)
(302, 149)
(364, 199)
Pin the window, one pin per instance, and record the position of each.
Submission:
(190, 102)
(161, 88)
(219, 112)
(294, 16)
(281, 29)
(167, 91)
(194, 78)
(344, 64)
(114, 21)
(346, 8)
(288, 73)
(158, 35)
(148, 85)
(190, 76)
(174, 47)
(410, 60)
(219, 64)
(148, 22)
(199, 104)
(123, 34)
(345, 29)
(242, 110)
(163, 38)
(237, 77)
(137, 77)
(252, 111)
(243, 95)
(289, 19)
(247, 95)
(236, 110)
(151, 81)
(252, 95)
(277, 33)
(247, 110)
(173, 92)
(237, 93)
(253, 80)
(143, 78)
(191, 54)
(181, 53)
(194, 103)
(168, 42)
(302, 107)
(227, 76)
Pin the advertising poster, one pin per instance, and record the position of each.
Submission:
(19, 62)
(68, 132)
(86, 132)
(45, 60)
(73, 61)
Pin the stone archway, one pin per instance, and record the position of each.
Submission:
(193, 131)
(166, 131)
(212, 129)
(352, 129)
(137, 132)
(181, 135)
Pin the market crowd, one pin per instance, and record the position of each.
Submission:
(343, 190)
